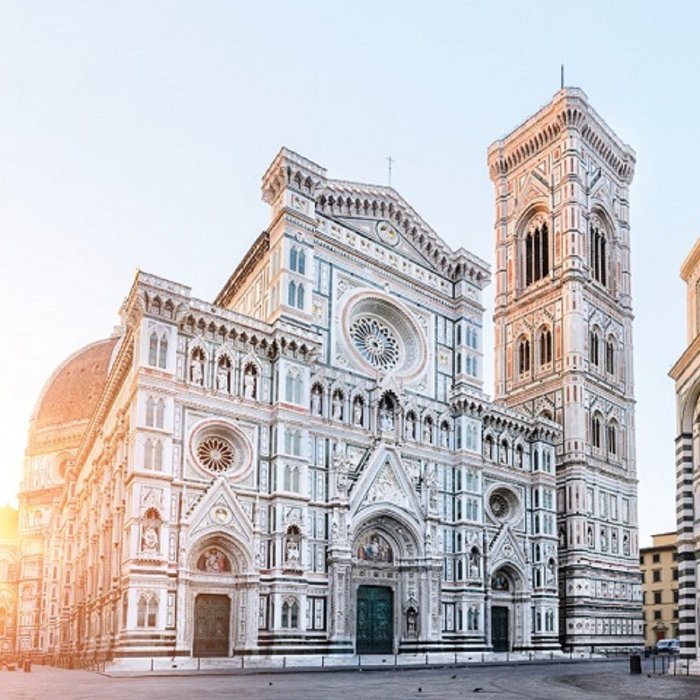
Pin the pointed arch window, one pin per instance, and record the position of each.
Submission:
(150, 411)
(612, 439)
(545, 349)
(290, 614)
(297, 260)
(293, 386)
(610, 356)
(523, 356)
(594, 347)
(598, 256)
(296, 294)
(536, 251)
(596, 436)
(158, 350)
(147, 611)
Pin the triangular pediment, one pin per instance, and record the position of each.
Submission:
(381, 214)
(533, 189)
(385, 481)
(505, 548)
(219, 509)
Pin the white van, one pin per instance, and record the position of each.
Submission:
(668, 646)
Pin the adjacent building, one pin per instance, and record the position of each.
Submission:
(659, 565)
(9, 573)
(686, 374)
(309, 463)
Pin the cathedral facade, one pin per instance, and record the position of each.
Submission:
(309, 464)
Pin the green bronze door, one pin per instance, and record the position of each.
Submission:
(499, 628)
(211, 623)
(375, 620)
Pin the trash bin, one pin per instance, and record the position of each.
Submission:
(635, 664)
(27, 666)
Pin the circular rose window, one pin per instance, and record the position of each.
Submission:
(375, 341)
(215, 454)
(499, 506)
(380, 334)
(217, 447)
(504, 505)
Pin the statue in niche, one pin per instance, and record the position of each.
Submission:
(316, 401)
(411, 622)
(197, 372)
(562, 536)
(590, 537)
(550, 573)
(386, 418)
(613, 542)
(428, 432)
(150, 540)
(603, 539)
(337, 407)
(222, 383)
(249, 383)
(474, 570)
(357, 413)
(411, 426)
(444, 436)
(292, 553)
(625, 543)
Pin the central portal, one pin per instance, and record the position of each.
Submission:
(375, 620)
(211, 625)
(499, 628)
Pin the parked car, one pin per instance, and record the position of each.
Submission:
(667, 646)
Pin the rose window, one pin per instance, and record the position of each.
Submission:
(215, 454)
(499, 506)
(375, 341)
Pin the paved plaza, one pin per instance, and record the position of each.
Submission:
(592, 680)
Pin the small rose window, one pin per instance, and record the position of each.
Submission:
(216, 454)
(220, 448)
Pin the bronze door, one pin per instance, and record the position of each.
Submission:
(212, 615)
(375, 620)
(499, 628)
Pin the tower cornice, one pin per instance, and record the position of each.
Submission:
(569, 110)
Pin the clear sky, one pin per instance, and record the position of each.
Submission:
(134, 135)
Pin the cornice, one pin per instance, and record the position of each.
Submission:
(569, 110)
(249, 263)
(690, 264)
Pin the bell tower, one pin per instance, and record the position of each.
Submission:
(563, 346)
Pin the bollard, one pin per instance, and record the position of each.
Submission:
(455, 658)
(151, 665)
(482, 657)
(242, 661)
(322, 660)
(529, 656)
(426, 659)
(396, 660)
(359, 660)
(284, 662)
(199, 663)
(27, 666)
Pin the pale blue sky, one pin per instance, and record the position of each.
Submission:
(134, 134)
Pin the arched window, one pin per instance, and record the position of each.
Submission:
(610, 356)
(612, 439)
(536, 251)
(300, 296)
(148, 454)
(147, 610)
(293, 386)
(297, 260)
(523, 356)
(158, 455)
(290, 613)
(160, 413)
(594, 347)
(596, 431)
(292, 293)
(545, 347)
(598, 252)
(150, 411)
(158, 350)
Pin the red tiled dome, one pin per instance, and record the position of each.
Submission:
(71, 394)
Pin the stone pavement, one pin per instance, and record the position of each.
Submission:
(586, 680)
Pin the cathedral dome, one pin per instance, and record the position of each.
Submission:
(72, 392)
